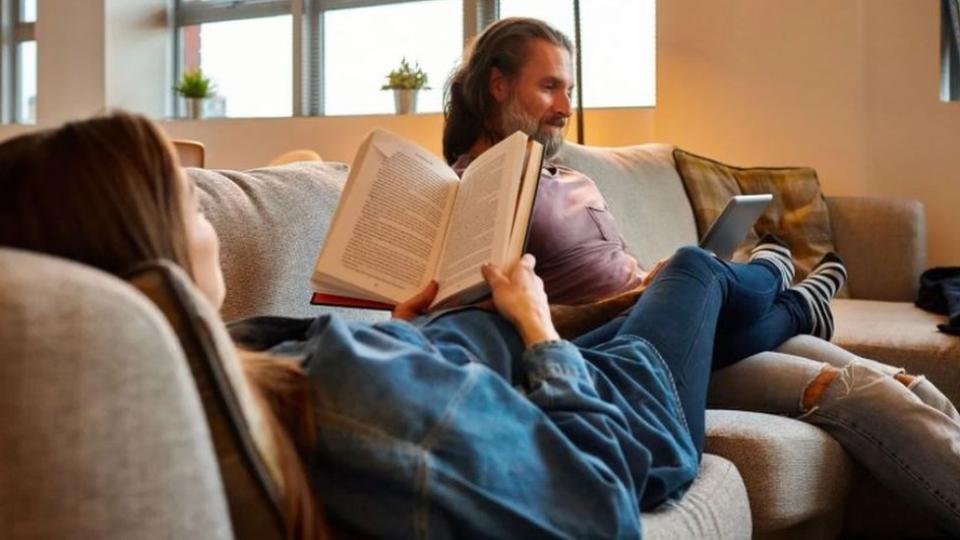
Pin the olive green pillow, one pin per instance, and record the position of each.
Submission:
(798, 213)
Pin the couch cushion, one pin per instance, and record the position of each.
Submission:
(272, 223)
(798, 213)
(900, 334)
(101, 430)
(644, 192)
(866, 230)
(716, 507)
(794, 472)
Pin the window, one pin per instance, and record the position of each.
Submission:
(362, 45)
(246, 48)
(950, 50)
(617, 46)
(313, 57)
(18, 61)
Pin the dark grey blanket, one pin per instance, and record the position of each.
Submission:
(940, 293)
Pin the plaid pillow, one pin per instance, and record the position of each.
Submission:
(798, 213)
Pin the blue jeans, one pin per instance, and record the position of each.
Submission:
(680, 313)
(908, 438)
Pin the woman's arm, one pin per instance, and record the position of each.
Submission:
(519, 297)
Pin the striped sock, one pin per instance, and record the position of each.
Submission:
(818, 288)
(774, 250)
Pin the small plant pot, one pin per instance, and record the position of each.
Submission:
(405, 101)
(195, 107)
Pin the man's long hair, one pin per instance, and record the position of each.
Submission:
(469, 107)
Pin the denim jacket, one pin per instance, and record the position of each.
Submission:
(448, 428)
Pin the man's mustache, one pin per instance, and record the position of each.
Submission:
(557, 121)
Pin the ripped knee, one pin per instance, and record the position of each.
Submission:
(814, 391)
(906, 379)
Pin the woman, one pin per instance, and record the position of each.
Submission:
(464, 423)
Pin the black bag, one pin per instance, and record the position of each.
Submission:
(940, 293)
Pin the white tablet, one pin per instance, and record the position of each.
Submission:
(733, 224)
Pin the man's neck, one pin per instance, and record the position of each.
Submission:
(481, 146)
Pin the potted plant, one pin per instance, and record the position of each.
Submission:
(195, 88)
(405, 81)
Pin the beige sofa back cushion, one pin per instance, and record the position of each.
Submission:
(271, 223)
(644, 192)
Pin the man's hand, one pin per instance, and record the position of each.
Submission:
(519, 297)
(416, 306)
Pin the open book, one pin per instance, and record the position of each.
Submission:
(405, 218)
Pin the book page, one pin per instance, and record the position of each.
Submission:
(482, 217)
(386, 237)
(523, 212)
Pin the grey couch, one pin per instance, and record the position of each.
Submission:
(763, 476)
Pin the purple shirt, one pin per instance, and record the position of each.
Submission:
(580, 253)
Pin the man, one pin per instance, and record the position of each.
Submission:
(518, 75)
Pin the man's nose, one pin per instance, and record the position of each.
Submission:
(563, 105)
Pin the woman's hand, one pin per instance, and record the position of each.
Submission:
(519, 297)
(416, 306)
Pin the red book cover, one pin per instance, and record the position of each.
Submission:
(320, 299)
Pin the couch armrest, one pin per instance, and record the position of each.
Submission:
(883, 241)
(794, 472)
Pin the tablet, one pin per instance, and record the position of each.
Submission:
(733, 224)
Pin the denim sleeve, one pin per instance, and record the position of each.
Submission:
(414, 445)
(560, 383)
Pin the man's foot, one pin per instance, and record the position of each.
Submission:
(818, 288)
(776, 252)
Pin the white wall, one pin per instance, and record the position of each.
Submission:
(849, 87)
(913, 138)
(71, 72)
(139, 56)
(755, 82)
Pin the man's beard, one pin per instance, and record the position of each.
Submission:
(513, 117)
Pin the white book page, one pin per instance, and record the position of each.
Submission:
(482, 217)
(386, 236)
(533, 164)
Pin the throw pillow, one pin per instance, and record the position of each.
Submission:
(244, 452)
(798, 213)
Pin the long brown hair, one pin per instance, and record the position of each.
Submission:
(468, 104)
(107, 192)
(102, 191)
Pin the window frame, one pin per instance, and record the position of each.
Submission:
(477, 14)
(13, 33)
(308, 31)
(950, 50)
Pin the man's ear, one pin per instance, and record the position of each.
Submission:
(499, 85)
